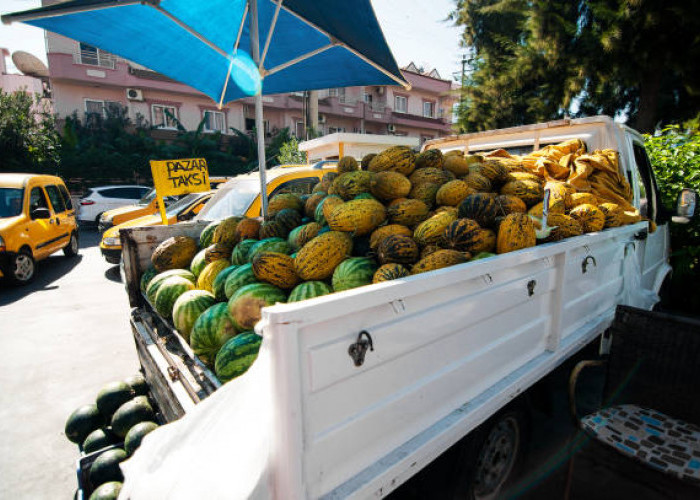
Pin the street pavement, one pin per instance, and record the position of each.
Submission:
(62, 338)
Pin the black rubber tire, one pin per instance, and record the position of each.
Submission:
(22, 258)
(73, 246)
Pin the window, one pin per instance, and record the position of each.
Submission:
(400, 104)
(92, 56)
(428, 109)
(11, 202)
(250, 124)
(300, 132)
(646, 205)
(100, 107)
(163, 116)
(299, 186)
(66, 197)
(121, 192)
(214, 121)
(37, 199)
(56, 199)
(233, 198)
(367, 97)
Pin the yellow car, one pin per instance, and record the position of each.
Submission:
(146, 206)
(37, 218)
(183, 209)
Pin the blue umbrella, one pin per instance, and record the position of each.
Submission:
(295, 44)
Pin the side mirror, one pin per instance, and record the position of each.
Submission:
(41, 213)
(186, 216)
(685, 207)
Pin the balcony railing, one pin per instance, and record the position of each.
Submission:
(94, 58)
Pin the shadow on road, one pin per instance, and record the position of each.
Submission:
(48, 271)
(113, 274)
(89, 237)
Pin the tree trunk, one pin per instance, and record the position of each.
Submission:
(649, 89)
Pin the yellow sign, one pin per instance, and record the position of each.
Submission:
(177, 177)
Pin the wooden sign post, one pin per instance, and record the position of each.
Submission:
(178, 177)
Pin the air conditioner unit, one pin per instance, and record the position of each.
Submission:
(391, 127)
(321, 118)
(134, 94)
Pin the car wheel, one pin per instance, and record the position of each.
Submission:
(71, 250)
(22, 267)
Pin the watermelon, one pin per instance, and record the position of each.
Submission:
(168, 293)
(353, 272)
(158, 280)
(138, 384)
(211, 330)
(364, 196)
(219, 285)
(147, 276)
(483, 255)
(188, 308)
(105, 468)
(318, 214)
(107, 491)
(309, 290)
(136, 434)
(198, 263)
(244, 306)
(207, 233)
(82, 422)
(243, 275)
(236, 355)
(209, 274)
(301, 235)
(98, 439)
(131, 413)
(112, 396)
(240, 253)
(269, 245)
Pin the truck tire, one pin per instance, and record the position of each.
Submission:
(71, 250)
(490, 456)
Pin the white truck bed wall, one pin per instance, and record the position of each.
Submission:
(450, 348)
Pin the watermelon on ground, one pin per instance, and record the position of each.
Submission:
(353, 272)
(188, 308)
(237, 355)
(211, 330)
(309, 290)
(239, 277)
(169, 292)
(244, 306)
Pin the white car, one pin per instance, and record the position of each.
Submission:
(103, 198)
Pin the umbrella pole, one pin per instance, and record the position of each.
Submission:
(259, 124)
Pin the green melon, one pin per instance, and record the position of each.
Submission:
(105, 468)
(158, 280)
(309, 290)
(237, 355)
(219, 285)
(112, 396)
(198, 263)
(211, 330)
(207, 233)
(244, 306)
(318, 214)
(138, 384)
(169, 292)
(270, 245)
(241, 276)
(136, 434)
(188, 307)
(107, 491)
(353, 272)
(82, 422)
(131, 413)
(239, 256)
(301, 235)
(98, 439)
(364, 196)
(147, 276)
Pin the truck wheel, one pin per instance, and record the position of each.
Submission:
(71, 250)
(22, 267)
(490, 456)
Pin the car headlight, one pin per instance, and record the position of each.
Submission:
(105, 218)
(111, 242)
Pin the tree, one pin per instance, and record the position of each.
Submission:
(289, 152)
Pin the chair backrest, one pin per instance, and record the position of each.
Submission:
(655, 362)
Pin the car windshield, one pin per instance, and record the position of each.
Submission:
(181, 204)
(10, 202)
(233, 198)
(147, 198)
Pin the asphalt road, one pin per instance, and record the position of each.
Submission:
(62, 338)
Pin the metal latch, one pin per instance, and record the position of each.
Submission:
(358, 350)
(174, 373)
(531, 287)
(642, 235)
(584, 264)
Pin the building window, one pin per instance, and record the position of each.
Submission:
(214, 121)
(299, 129)
(401, 104)
(92, 56)
(428, 109)
(333, 130)
(102, 108)
(163, 116)
(367, 97)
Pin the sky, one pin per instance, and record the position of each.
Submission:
(416, 31)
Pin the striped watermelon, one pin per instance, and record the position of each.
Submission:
(301, 235)
(198, 263)
(244, 306)
(210, 331)
(364, 196)
(237, 355)
(168, 293)
(270, 245)
(218, 288)
(309, 290)
(353, 272)
(209, 273)
(188, 308)
(241, 276)
(240, 253)
(147, 276)
(207, 233)
(158, 279)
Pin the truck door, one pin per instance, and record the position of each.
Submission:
(40, 231)
(61, 219)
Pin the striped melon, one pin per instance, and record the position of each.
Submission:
(225, 232)
(301, 235)
(364, 164)
(237, 355)
(198, 263)
(384, 231)
(484, 242)
(389, 272)
(556, 206)
(245, 305)
(353, 272)
(219, 285)
(357, 217)
(205, 281)
(461, 235)
(408, 212)
(312, 202)
(168, 293)
(425, 192)
(509, 204)
(269, 245)
(284, 200)
(155, 283)
(174, 253)
(347, 164)
(247, 229)
(456, 164)
(591, 218)
(531, 192)
(430, 231)
(350, 184)
(188, 307)
(430, 176)
(318, 258)
(565, 227)
(429, 158)
(493, 170)
(217, 251)
(272, 229)
(515, 232)
(452, 193)
(309, 290)
(206, 235)
(289, 219)
(238, 278)
(613, 214)
(478, 182)
(438, 260)
(325, 207)
(210, 331)
(239, 256)
(275, 268)
(390, 185)
(396, 158)
(479, 207)
(398, 249)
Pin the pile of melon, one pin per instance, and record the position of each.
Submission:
(112, 428)
(405, 214)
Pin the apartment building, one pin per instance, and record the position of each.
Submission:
(88, 80)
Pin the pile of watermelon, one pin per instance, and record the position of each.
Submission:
(112, 428)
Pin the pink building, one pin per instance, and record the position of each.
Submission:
(86, 79)
(10, 82)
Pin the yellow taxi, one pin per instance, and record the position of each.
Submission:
(145, 206)
(37, 218)
(183, 209)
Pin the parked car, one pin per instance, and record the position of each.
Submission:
(183, 209)
(145, 206)
(100, 199)
(37, 218)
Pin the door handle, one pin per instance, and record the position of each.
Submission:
(58, 221)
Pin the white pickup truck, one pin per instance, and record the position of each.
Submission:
(371, 385)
